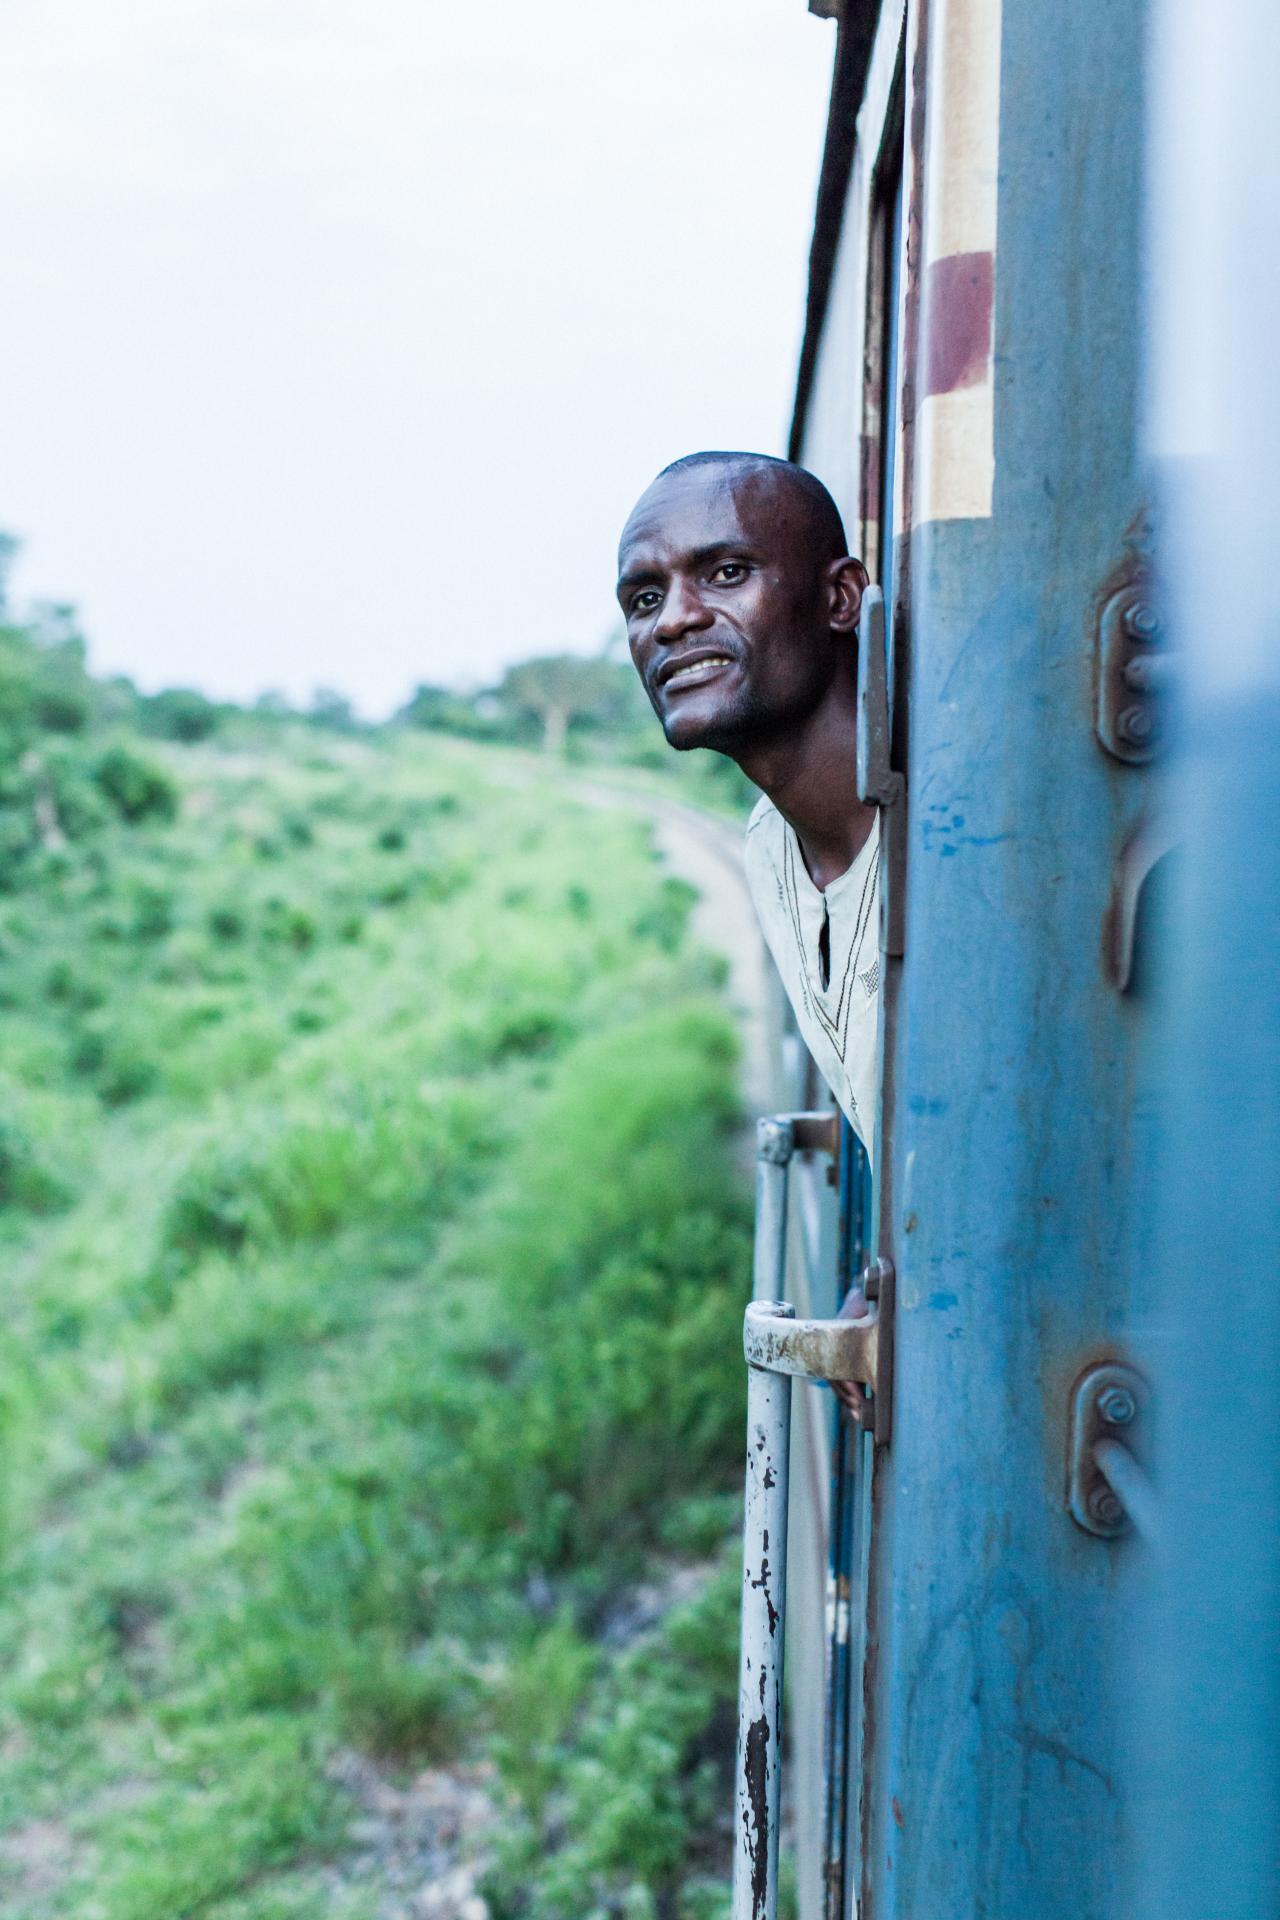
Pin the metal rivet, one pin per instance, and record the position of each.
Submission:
(1117, 1406)
(1104, 1507)
(1141, 621)
(1135, 725)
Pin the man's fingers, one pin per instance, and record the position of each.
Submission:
(849, 1393)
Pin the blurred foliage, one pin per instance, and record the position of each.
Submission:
(371, 1232)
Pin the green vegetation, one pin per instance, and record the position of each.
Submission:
(370, 1235)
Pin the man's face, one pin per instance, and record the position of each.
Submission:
(728, 607)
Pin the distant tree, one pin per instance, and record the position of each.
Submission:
(179, 713)
(561, 688)
(329, 708)
(116, 701)
(272, 704)
(444, 709)
(10, 547)
(137, 789)
(53, 623)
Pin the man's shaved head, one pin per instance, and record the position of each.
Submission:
(740, 596)
(803, 491)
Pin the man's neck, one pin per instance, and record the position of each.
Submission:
(810, 778)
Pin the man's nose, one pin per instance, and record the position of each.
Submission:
(682, 612)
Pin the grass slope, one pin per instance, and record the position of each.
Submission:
(370, 1237)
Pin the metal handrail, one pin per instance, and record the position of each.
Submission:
(778, 1349)
(764, 1599)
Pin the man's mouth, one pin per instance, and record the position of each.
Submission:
(693, 672)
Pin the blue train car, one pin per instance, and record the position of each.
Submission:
(1037, 234)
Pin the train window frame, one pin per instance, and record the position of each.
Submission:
(884, 320)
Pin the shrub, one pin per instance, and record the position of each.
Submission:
(154, 911)
(526, 1027)
(616, 1250)
(67, 986)
(226, 922)
(289, 924)
(236, 1799)
(355, 1152)
(136, 788)
(325, 1566)
(62, 709)
(666, 919)
(231, 1324)
(611, 1820)
(403, 1705)
(180, 713)
(25, 1180)
(533, 1707)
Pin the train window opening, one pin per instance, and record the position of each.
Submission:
(884, 357)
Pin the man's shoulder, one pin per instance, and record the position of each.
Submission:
(763, 853)
(764, 823)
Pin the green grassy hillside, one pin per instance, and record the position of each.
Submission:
(372, 1254)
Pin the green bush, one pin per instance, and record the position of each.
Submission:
(231, 1323)
(234, 1801)
(25, 1181)
(120, 1067)
(136, 788)
(667, 918)
(534, 1707)
(68, 985)
(291, 1176)
(620, 1811)
(180, 713)
(417, 1705)
(616, 1251)
(227, 922)
(357, 1374)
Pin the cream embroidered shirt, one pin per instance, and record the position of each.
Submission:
(837, 1016)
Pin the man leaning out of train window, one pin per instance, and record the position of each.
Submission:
(741, 603)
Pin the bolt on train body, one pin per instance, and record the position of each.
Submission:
(1031, 1599)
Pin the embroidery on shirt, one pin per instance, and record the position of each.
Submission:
(859, 935)
(837, 1029)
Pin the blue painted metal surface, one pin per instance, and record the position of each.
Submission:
(1204, 1662)
(994, 1764)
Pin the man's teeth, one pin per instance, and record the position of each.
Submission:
(697, 669)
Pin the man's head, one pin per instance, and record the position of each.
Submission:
(740, 599)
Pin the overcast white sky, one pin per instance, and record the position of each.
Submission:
(338, 337)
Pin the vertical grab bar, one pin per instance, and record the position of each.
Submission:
(764, 1599)
(775, 1144)
(778, 1347)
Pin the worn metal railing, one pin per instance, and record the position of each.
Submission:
(778, 1349)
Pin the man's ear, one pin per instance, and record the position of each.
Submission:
(847, 581)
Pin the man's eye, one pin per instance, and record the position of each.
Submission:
(729, 572)
(645, 601)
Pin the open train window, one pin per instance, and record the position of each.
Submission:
(882, 385)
